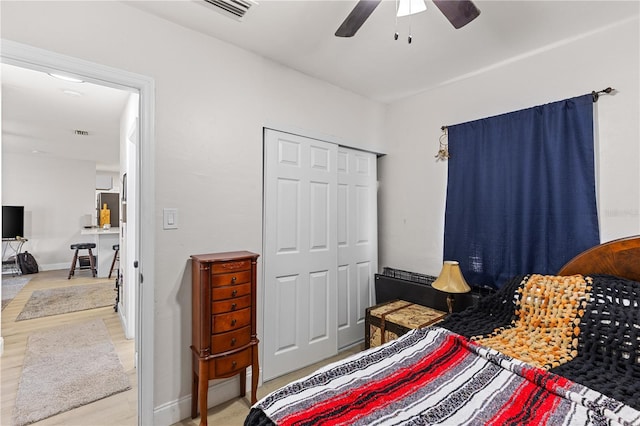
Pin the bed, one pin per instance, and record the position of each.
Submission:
(562, 349)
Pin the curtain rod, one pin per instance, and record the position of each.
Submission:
(594, 95)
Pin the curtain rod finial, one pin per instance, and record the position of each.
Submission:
(595, 95)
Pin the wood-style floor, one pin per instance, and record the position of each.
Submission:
(233, 412)
(120, 409)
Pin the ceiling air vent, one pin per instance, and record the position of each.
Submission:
(81, 132)
(233, 8)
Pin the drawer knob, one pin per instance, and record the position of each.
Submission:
(233, 322)
(233, 279)
(233, 293)
(233, 306)
(233, 341)
(234, 364)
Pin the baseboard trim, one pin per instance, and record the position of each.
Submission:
(219, 391)
(123, 322)
(54, 266)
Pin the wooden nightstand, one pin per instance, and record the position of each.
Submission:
(387, 321)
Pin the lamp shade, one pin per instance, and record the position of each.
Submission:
(450, 279)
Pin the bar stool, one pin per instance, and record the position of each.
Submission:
(82, 246)
(116, 257)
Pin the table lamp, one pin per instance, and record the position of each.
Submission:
(451, 281)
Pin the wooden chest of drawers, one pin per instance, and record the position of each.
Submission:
(224, 337)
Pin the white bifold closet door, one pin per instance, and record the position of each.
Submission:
(357, 241)
(314, 268)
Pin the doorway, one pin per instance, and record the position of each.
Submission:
(28, 57)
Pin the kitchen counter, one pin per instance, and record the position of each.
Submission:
(104, 239)
(99, 231)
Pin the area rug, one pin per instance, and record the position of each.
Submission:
(62, 300)
(11, 287)
(66, 367)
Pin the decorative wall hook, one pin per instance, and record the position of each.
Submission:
(443, 149)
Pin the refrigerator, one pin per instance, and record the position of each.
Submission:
(112, 200)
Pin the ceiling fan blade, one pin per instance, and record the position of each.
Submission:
(357, 17)
(458, 12)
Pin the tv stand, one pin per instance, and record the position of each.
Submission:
(11, 248)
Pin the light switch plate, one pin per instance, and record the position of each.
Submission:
(169, 218)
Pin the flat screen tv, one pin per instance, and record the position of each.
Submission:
(12, 221)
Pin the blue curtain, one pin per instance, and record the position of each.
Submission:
(521, 191)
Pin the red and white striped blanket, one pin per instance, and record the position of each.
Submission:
(433, 376)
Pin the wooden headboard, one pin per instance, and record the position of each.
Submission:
(619, 257)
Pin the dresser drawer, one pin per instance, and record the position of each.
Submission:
(228, 292)
(231, 279)
(224, 342)
(224, 267)
(229, 305)
(230, 321)
(230, 364)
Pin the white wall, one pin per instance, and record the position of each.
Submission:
(57, 194)
(212, 101)
(413, 184)
(107, 176)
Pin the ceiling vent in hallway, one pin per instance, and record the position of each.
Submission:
(232, 8)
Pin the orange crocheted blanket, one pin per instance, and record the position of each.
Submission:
(545, 329)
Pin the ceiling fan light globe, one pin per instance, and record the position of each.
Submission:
(410, 7)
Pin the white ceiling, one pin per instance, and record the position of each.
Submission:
(38, 116)
(300, 35)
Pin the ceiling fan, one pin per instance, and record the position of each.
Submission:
(458, 12)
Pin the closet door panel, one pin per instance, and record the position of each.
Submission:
(319, 220)
(358, 248)
(300, 228)
(319, 305)
(286, 330)
(343, 296)
(287, 227)
(364, 291)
